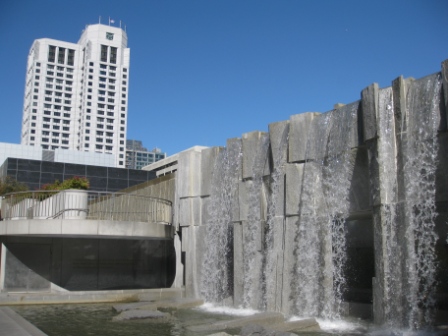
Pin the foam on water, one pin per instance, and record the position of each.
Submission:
(341, 326)
(213, 308)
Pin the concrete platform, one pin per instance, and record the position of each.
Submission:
(12, 299)
(12, 324)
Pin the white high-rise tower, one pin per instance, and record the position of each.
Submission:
(76, 95)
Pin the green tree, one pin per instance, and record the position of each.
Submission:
(8, 185)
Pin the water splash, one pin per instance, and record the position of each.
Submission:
(216, 280)
(253, 231)
(420, 150)
(321, 239)
(271, 246)
(393, 288)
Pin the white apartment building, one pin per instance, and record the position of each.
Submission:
(76, 94)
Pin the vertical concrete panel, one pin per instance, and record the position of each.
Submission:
(289, 265)
(369, 103)
(190, 211)
(278, 136)
(238, 264)
(274, 270)
(299, 126)
(254, 155)
(193, 243)
(208, 157)
(294, 177)
(243, 199)
(189, 173)
(179, 279)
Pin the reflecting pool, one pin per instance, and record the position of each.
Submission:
(96, 319)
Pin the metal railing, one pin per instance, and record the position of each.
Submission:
(85, 204)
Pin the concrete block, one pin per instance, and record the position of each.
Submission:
(208, 157)
(189, 173)
(255, 154)
(294, 179)
(190, 211)
(369, 104)
(345, 123)
(299, 126)
(278, 136)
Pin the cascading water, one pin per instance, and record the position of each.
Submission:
(216, 280)
(277, 177)
(337, 172)
(420, 149)
(324, 205)
(387, 164)
(310, 267)
(253, 231)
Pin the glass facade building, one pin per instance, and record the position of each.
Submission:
(36, 173)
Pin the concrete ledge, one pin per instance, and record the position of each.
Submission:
(11, 299)
(86, 228)
(12, 324)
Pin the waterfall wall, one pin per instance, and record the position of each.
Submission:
(326, 212)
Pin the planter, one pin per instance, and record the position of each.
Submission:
(73, 204)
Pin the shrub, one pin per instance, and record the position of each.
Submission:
(9, 185)
(73, 183)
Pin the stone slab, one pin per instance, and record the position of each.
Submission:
(189, 173)
(255, 158)
(208, 157)
(190, 211)
(278, 136)
(298, 135)
(134, 305)
(264, 319)
(140, 314)
(369, 105)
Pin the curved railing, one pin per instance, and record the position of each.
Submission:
(85, 204)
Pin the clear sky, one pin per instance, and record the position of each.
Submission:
(203, 71)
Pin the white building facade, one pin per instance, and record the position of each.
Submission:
(76, 94)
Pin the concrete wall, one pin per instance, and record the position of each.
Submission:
(275, 163)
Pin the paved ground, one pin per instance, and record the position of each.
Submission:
(12, 324)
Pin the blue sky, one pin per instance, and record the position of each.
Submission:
(203, 71)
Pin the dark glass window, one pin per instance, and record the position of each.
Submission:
(51, 53)
(103, 53)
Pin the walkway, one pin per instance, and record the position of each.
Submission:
(12, 324)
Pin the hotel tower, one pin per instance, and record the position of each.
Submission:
(76, 94)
